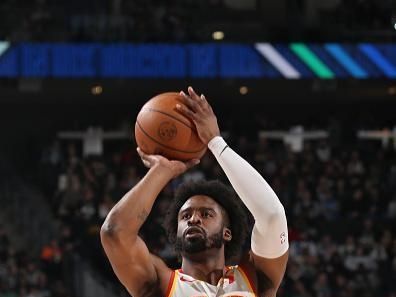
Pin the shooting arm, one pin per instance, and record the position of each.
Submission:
(129, 256)
(269, 241)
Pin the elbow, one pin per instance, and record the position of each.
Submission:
(114, 234)
(278, 213)
(110, 228)
(272, 216)
(116, 229)
(111, 234)
(108, 231)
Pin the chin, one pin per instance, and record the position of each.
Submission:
(193, 246)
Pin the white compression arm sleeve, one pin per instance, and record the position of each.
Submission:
(269, 237)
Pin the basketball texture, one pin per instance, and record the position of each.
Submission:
(161, 129)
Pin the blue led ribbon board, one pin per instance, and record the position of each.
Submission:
(211, 60)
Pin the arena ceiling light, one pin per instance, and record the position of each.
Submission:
(218, 35)
(97, 90)
(243, 90)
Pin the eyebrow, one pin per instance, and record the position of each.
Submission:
(199, 208)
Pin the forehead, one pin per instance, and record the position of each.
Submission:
(199, 201)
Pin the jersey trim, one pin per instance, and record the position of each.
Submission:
(171, 285)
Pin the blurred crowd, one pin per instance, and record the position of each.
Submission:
(340, 205)
(118, 20)
(181, 21)
(22, 275)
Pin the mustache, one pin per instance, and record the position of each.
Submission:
(194, 229)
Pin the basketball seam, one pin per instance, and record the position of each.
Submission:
(173, 117)
(168, 147)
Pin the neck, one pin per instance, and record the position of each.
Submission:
(207, 266)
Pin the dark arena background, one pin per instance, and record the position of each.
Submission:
(305, 90)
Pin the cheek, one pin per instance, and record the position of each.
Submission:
(214, 227)
(180, 229)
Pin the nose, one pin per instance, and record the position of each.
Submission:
(195, 219)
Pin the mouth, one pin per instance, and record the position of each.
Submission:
(193, 232)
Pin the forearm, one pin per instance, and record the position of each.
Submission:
(247, 182)
(129, 214)
(259, 198)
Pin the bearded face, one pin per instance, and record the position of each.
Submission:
(200, 226)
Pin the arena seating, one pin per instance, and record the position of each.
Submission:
(340, 203)
(180, 21)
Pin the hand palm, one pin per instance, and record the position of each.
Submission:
(175, 166)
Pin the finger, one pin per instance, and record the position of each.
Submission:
(146, 163)
(205, 102)
(192, 104)
(192, 94)
(140, 152)
(186, 111)
(143, 156)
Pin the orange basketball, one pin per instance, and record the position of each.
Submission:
(161, 129)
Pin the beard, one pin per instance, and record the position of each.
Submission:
(199, 244)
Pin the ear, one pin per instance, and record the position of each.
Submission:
(227, 234)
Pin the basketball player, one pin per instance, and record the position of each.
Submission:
(204, 231)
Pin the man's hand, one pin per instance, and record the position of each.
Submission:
(174, 167)
(200, 112)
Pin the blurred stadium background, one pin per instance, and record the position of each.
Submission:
(304, 89)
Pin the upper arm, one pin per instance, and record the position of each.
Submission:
(267, 273)
(133, 264)
(273, 269)
(269, 254)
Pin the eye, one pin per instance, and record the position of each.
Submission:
(207, 214)
(186, 216)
